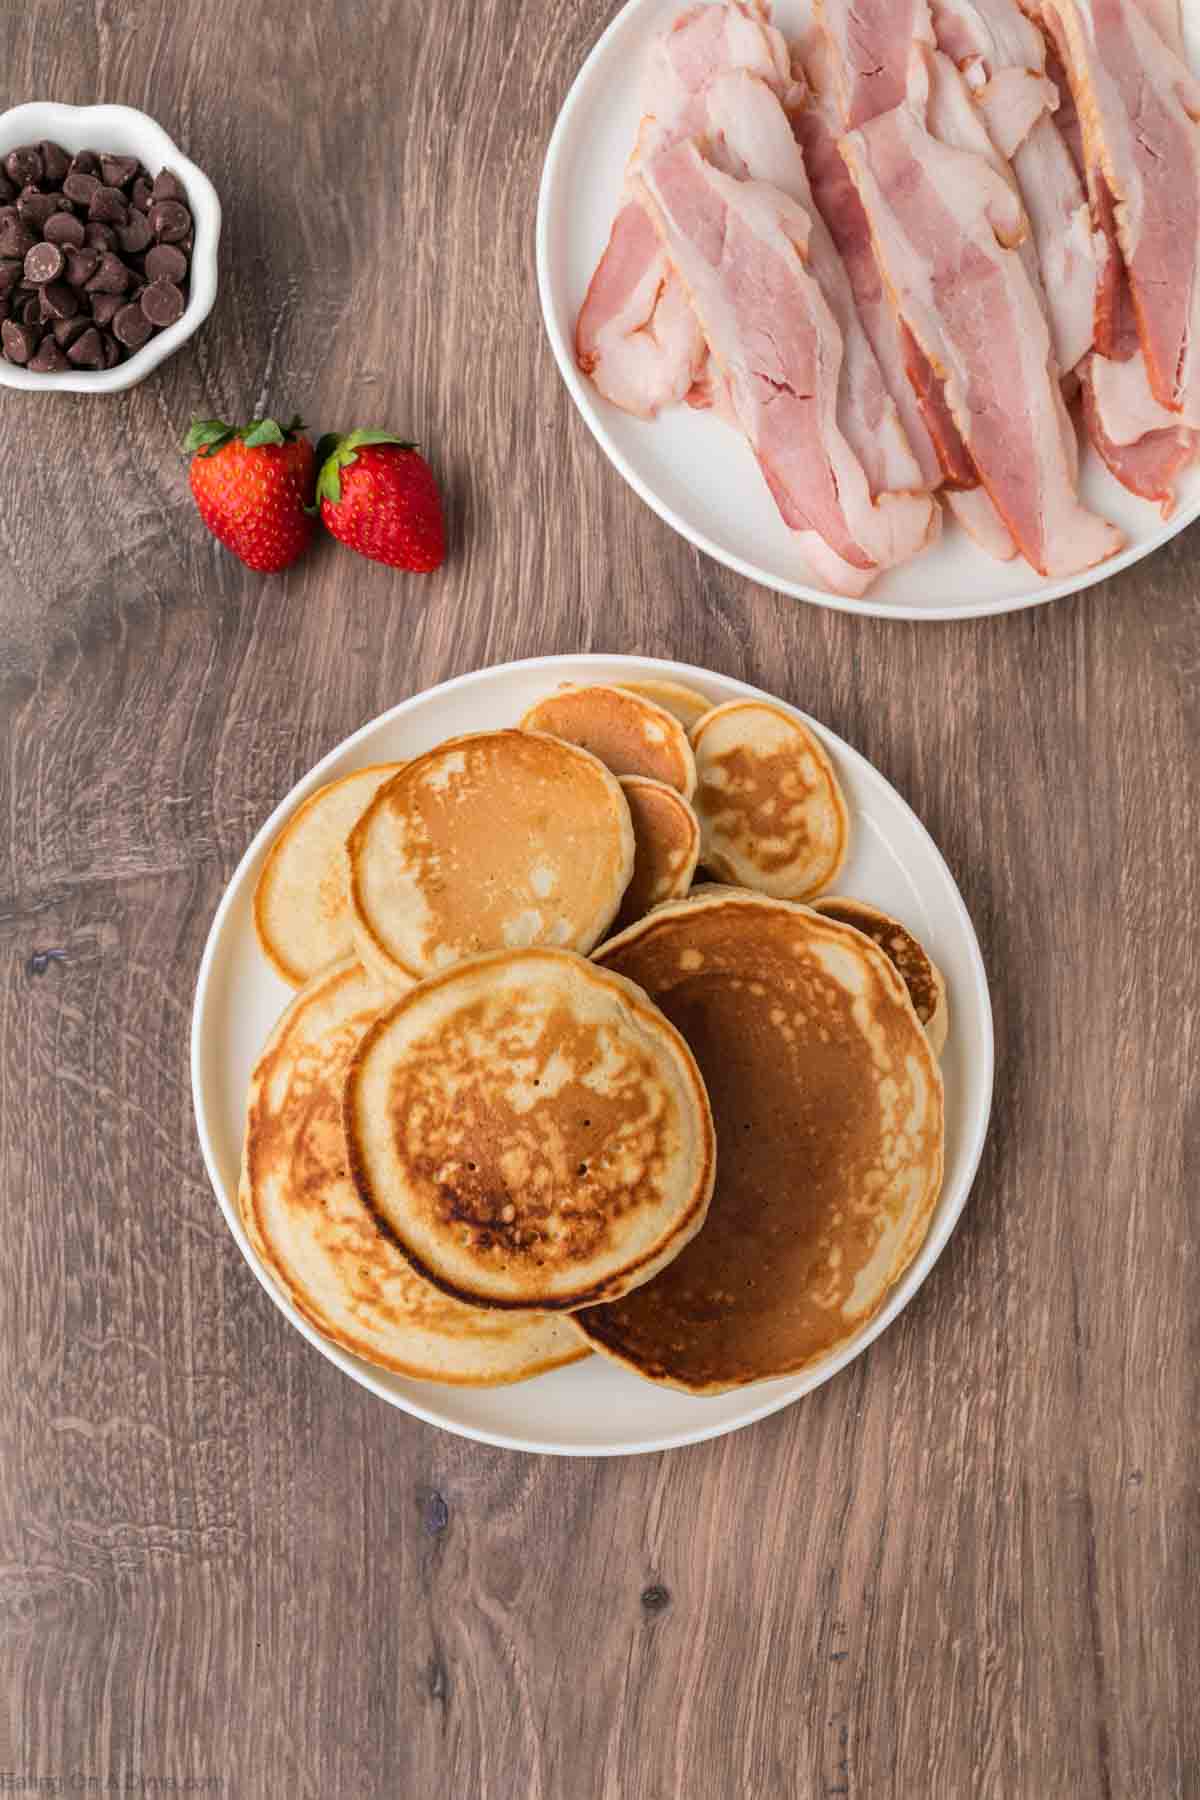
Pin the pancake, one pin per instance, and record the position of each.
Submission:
(530, 1131)
(301, 910)
(687, 704)
(828, 1106)
(318, 1243)
(630, 734)
(772, 816)
(492, 841)
(666, 835)
(919, 972)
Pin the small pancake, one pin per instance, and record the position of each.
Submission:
(666, 835)
(630, 734)
(772, 816)
(317, 1241)
(828, 1105)
(301, 910)
(920, 974)
(530, 1131)
(488, 842)
(686, 703)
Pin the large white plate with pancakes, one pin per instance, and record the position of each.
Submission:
(594, 1407)
(695, 471)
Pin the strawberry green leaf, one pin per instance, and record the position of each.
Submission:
(336, 453)
(262, 431)
(207, 436)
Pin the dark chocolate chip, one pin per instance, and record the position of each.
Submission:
(23, 165)
(166, 262)
(19, 341)
(66, 331)
(45, 262)
(87, 352)
(162, 303)
(48, 359)
(65, 228)
(105, 307)
(112, 351)
(169, 221)
(132, 328)
(16, 239)
(109, 206)
(35, 208)
(81, 266)
(118, 171)
(80, 186)
(7, 190)
(137, 263)
(11, 270)
(55, 161)
(142, 193)
(135, 236)
(28, 308)
(99, 236)
(59, 301)
(112, 277)
(85, 162)
(167, 186)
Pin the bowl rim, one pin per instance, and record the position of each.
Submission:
(52, 119)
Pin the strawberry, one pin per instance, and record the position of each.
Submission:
(254, 487)
(378, 497)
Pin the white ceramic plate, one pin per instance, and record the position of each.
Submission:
(694, 471)
(593, 1408)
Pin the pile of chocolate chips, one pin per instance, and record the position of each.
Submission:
(94, 256)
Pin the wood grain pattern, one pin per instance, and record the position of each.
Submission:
(967, 1566)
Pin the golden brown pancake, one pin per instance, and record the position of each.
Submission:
(687, 704)
(828, 1106)
(530, 1131)
(301, 907)
(921, 975)
(312, 1233)
(666, 835)
(630, 734)
(492, 841)
(772, 816)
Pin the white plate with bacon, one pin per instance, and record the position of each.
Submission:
(813, 282)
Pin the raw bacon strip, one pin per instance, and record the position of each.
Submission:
(871, 46)
(1139, 105)
(944, 225)
(739, 246)
(1147, 467)
(636, 335)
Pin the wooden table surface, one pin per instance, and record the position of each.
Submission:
(968, 1565)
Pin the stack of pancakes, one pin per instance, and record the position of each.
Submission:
(542, 1092)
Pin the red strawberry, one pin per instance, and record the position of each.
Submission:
(253, 484)
(378, 497)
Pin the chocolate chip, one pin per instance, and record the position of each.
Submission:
(23, 165)
(79, 186)
(48, 359)
(85, 162)
(19, 341)
(11, 271)
(169, 221)
(27, 308)
(65, 228)
(87, 352)
(132, 328)
(99, 236)
(59, 301)
(7, 190)
(142, 193)
(67, 331)
(109, 206)
(112, 277)
(81, 266)
(16, 239)
(135, 236)
(55, 161)
(118, 171)
(105, 307)
(162, 303)
(166, 262)
(35, 208)
(167, 186)
(45, 262)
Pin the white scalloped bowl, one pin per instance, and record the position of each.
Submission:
(125, 132)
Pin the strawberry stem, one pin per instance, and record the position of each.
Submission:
(336, 453)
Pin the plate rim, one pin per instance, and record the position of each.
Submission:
(806, 1381)
(1184, 515)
